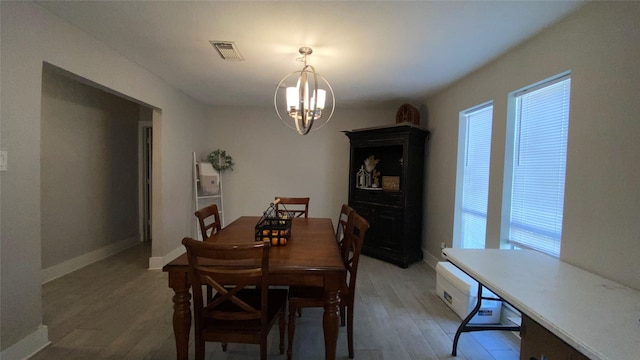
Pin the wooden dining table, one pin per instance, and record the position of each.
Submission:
(311, 257)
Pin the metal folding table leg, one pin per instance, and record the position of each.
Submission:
(465, 327)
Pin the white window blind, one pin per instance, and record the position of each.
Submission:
(539, 162)
(475, 188)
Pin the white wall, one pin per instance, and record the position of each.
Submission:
(600, 44)
(273, 160)
(30, 36)
(89, 169)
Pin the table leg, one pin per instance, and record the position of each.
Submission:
(465, 327)
(181, 313)
(330, 318)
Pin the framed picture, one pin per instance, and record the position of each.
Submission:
(391, 183)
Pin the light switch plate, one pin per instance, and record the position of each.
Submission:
(3, 161)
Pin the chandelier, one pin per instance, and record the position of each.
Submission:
(306, 100)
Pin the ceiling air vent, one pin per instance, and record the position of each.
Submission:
(227, 50)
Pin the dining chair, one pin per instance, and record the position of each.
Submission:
(209, 221)
(295, 206)
(345, 210)
(242, 313)
(303, 296)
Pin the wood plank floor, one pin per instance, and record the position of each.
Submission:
(117, 309)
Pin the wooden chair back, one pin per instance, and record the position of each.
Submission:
(351, 248)
(343, 217)
(241, 265)
(295, 206)
(244, 309)
(209, 221)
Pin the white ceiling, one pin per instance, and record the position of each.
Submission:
(371, 52)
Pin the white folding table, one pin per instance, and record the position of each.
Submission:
(598, 317)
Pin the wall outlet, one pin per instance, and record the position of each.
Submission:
(442, 245)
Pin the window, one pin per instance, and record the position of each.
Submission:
(472, 186)
(540, 116)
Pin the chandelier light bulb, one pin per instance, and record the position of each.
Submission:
(292, 98)
(322, 96)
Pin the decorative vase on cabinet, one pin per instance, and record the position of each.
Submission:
(394, 209)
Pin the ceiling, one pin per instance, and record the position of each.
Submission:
(372, 52)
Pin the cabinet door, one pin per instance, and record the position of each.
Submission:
(388, 233)
(367, 213)
(385, 232)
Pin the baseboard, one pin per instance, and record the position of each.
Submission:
(430, 259)
(81, 261)
(157, 262)
(28, 346)
(510, 314)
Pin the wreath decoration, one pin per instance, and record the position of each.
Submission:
(220, 160)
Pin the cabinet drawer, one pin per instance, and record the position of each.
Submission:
(387, 198)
